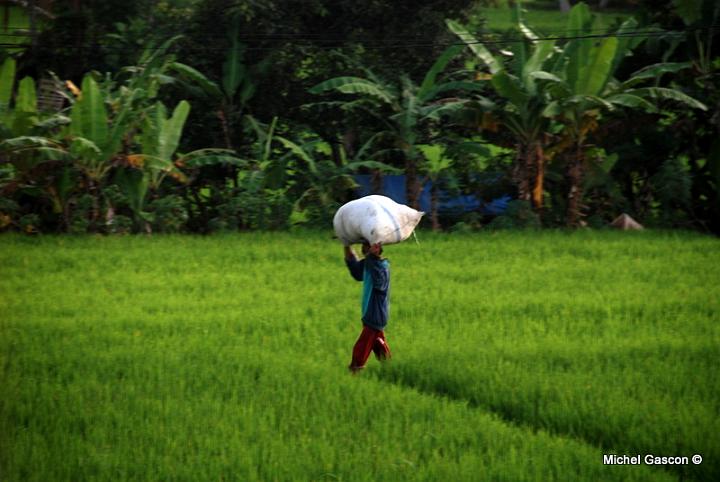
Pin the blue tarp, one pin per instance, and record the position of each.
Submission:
(393, 186)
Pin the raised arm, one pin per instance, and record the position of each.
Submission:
(356, 267)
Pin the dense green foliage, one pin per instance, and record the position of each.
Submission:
(211, 115)
(516, 357)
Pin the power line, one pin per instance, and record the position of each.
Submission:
(309, 36)
(329, 43)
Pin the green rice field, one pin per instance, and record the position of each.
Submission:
(545, 17)
(517, 356)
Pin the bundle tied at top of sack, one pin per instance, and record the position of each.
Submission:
(375, 219)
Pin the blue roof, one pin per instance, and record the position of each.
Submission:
(393, 186)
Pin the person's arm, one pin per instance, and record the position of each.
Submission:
(356, 267)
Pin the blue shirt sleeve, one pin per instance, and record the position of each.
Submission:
(356, 268)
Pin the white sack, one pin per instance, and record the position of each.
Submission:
(376, 219)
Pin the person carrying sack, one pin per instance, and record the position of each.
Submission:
(374, 271)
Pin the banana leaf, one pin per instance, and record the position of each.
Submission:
(409, 114)
(26, 152)
(211, 157)
(194, 76)
(25, 114)
(85, 151)
(577, 50)
(134, 184)
(667, 94)
(150, 129)
(631, 101)
(353, 85)
(89, 115)
(471, 148)
(234, 70)
(542, 75)
(543, 50)
(26, 100)
(365, 148)
(527, 31)
(171, 131)
(7, 79)
(482, 53)
(299, 152)
(439, 65)
(509, 87)
(587, 102)
(436, 111)
(121, 124)
(386, 168)
(594, 76)
(53, 122)
(627, 41)
(655, 71)
(460, 85)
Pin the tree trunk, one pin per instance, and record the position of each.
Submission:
(376, 182)
(412, 183)
(202, 210)
(575, 176)
(348, 142)
(223, 115)
(32, 22)
(538, 189)
(336, 151)
(603, 3)
(224, 125)
(434, 207)
(94, 191)
(66, 216)
(523, 172)
(529, 173)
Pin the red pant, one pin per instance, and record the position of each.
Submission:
(370, 340)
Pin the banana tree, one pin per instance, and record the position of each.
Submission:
(26, 143)
(20, 24)
(24, 116)
(406, 109)
(319, 183)
(524, 100)
(159, 139)
(19, 114)
(96, 139)
(235, 89)
(437, 164)
(581, 86)
(98, 136)
(700, 19)
(144, 172)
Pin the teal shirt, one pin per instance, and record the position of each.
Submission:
(375, 275)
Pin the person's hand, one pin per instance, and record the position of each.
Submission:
(376, 249)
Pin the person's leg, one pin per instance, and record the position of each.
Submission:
(380, 347)
(363, 347)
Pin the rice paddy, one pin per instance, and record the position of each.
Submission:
(516, 356)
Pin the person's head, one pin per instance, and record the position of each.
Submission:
(373, 249)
